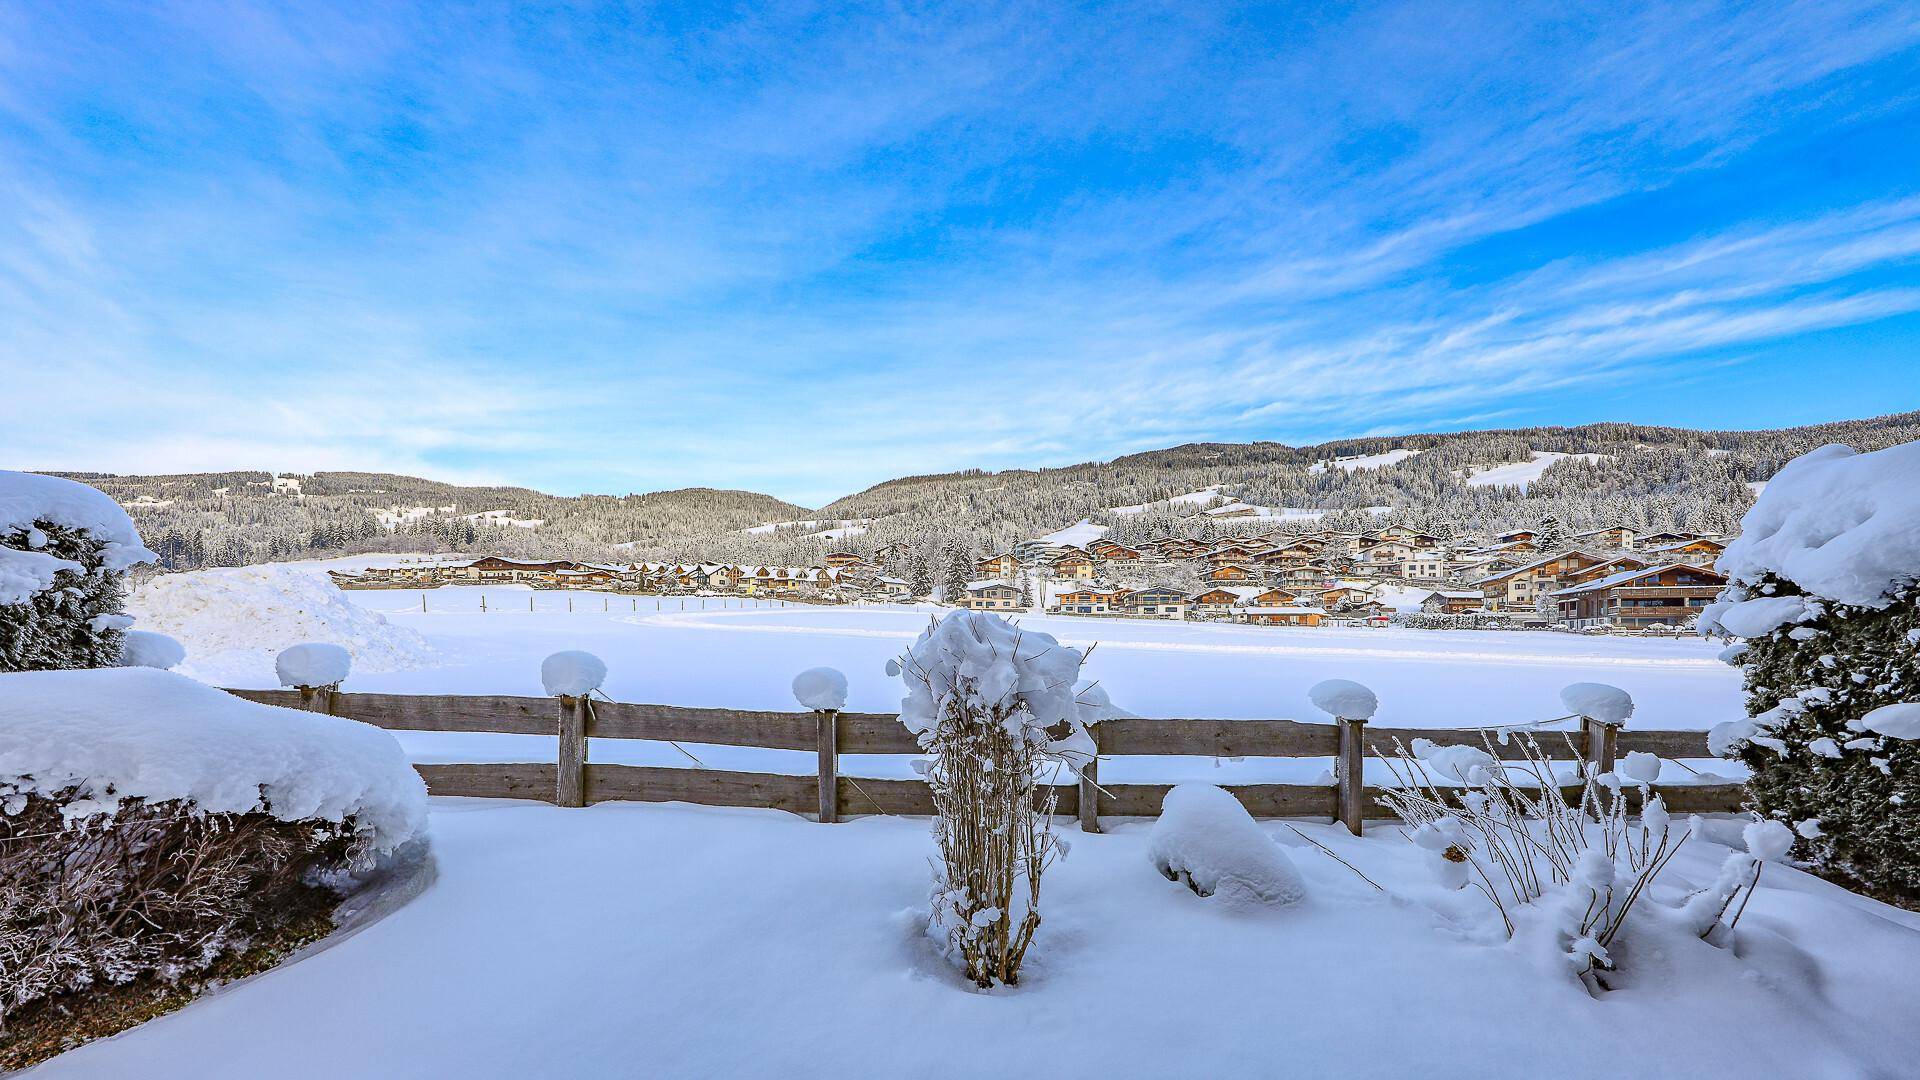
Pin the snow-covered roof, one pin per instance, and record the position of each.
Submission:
(1625, 576)
(1083, 532)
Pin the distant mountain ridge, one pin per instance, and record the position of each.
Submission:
(1586, 476)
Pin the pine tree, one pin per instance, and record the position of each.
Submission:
(919, 575)
(959, 571)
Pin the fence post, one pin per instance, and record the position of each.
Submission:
(829, 745)
(570, 775)
(1350, 773)
(1090, 785)
(318, 698)
(1602, 739)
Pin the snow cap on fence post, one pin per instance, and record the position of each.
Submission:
(1598, 701)
(313, 665)
(144, 648)
(572, 673)
(820, 689)
(1344, 699)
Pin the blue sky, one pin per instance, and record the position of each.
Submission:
(803, 249)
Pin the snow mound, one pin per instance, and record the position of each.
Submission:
(1607, 704)
(234, 621)
(1900, 721)
(126, 733)
(315, 663)
(1344, 699)
(820, 688)
(572, 673)
(27, 498)
(1838, 523)
(144, 648)
(1206, 840)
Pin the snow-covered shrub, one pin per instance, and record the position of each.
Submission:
(1822, 587)
(1207, 841)
(1568, 871)
(994, 706)
(63, 549)
(572, 673)
(316, 663)
(150, 824)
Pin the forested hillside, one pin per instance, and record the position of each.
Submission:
(1600, 474)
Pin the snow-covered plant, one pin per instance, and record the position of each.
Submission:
(63, 550)
(1572, 867)
(1207, 841)
(1704, 911)
(1824, 590)
(995, 708)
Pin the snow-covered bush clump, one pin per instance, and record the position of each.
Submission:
(1822, 585)
(150, 824)
(314, 663)
(572, 673)
(820, 689)
(1207, 841)
(234, 621)
(63, 549)
(994, 706)
(1563, 873)
(144, 648)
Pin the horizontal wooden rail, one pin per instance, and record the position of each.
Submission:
(832, 795)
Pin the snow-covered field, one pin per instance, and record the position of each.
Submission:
(728, 653)
(637, 940)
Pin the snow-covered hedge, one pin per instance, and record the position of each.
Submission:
(1207, 841)
(151, 824)
(63, 549)
(1822, 585)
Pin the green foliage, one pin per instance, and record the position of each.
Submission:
(56, 628)
(1832, 669)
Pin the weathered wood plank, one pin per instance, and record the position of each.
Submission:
(572, 717)
(707, 787)
(431, 712)
(1350, 774)
(530, 780)
(1221, 738)
(724, 727)
(1089, 794)
(828, 777)
(1703, 798)
(1667, 744)
(861, 795)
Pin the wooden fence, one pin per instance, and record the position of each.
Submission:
(573, 780)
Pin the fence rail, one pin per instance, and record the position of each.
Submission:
(573, 780)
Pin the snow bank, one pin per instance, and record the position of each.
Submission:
(315, 663)
(1344, 699)
(1607, 704)
(27, 499)
(144, 648)
(572, 673)
(124, 733)
(233, 621)
(1205, 839)
(995, 665)
(1838, 523)
(820, 688)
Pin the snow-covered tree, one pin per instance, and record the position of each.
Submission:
(1822, 590)
(63, 550)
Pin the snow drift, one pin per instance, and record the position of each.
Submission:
(1205, 839)
(234, 621)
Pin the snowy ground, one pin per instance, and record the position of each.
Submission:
(635, 940)
(674, 651)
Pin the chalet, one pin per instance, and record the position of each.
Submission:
(1343, 596)
(1275, 598)
(1229, 553)
(1670, 595)
(587, 576)
(889, 552)
(1284, 615)
(1230, 572)
(494, 568)
(1522, 586)
(1452, 602)
(1699, 548)
(1072, 564)
(838, 559)
(1616, 537)
(1306, 575)
(1158, 602)
(1117, 555)
(1219, 601)
(1003, 565)
(893, 586)
(1232, 510)
(1604, 569)
(1422, 566)
(1089, 601)
(1662, 539)
(716, 576)
(989, 595)
(1518, 536)
(1102, 547)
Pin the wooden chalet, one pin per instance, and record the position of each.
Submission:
(1453, 602)
(1231, 572)
(1089, 601)
(1003, 565)
(1282, 615)
(1670, 595)
(990, 595)
(1158, 602)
